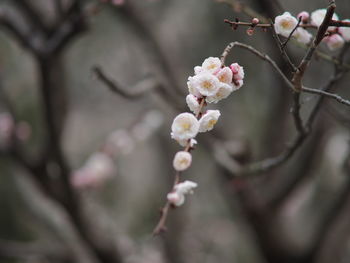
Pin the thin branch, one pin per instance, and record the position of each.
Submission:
(327, 94)
(165, 210)
(282, 50)
(259, 54)
(238, 6)
(143, 87)
(291, 34)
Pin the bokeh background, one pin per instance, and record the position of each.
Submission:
(277, 216)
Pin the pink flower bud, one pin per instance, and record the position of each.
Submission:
(255, 20)
(304, 16)
(334, 42)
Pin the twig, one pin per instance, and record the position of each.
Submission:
(141, 88)
(282, 50)
(291, 34)
(165, 210)
(327, 94)
(237, 5)
(259, 54)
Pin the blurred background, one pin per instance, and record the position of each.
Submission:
(58, 118)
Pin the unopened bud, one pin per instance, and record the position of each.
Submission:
(255, 21)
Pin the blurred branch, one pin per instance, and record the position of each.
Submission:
(33, 15)
(136, 20)
(143, 87)
(26, 250)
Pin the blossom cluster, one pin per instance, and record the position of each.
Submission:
(100, 166)
(212, 82)
(336, 36)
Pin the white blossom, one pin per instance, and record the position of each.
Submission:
(185, 126)
(334, 42)
(97, 169)
(223, 92)
(318, 15)
(182, 160)
(285, 23)
(192, 87)
(225, 75)
(237, 71)
(120, 141)
(208, 120)
(302, 35)
(192, 103)
(237, 84)
(198, 70)
(211, 64)
(175, 198)
(185, 187)
(345, 31)
(205, 83)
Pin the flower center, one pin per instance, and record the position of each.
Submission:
(211, 123)
(186, 126)
(207, 85)
(286, 24)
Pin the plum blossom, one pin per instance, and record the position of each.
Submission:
(97, 169)
(225, 75)
(223, 92)
(176, 199)
(185, 187)
(192, 87)
(182, 160)
(185, 126)
(345, 31)
(302, 35)
(211, 64)
(334, 42)
(177, 196)
(208, 120)
(318, 15)
(120, 141)
(206, 84)
(198, 70)
(192, 103)
(237, 71)
(285, 23)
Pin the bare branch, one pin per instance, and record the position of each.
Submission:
(327, 94)
(291, 34)
(259, 54)
(143, 87)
